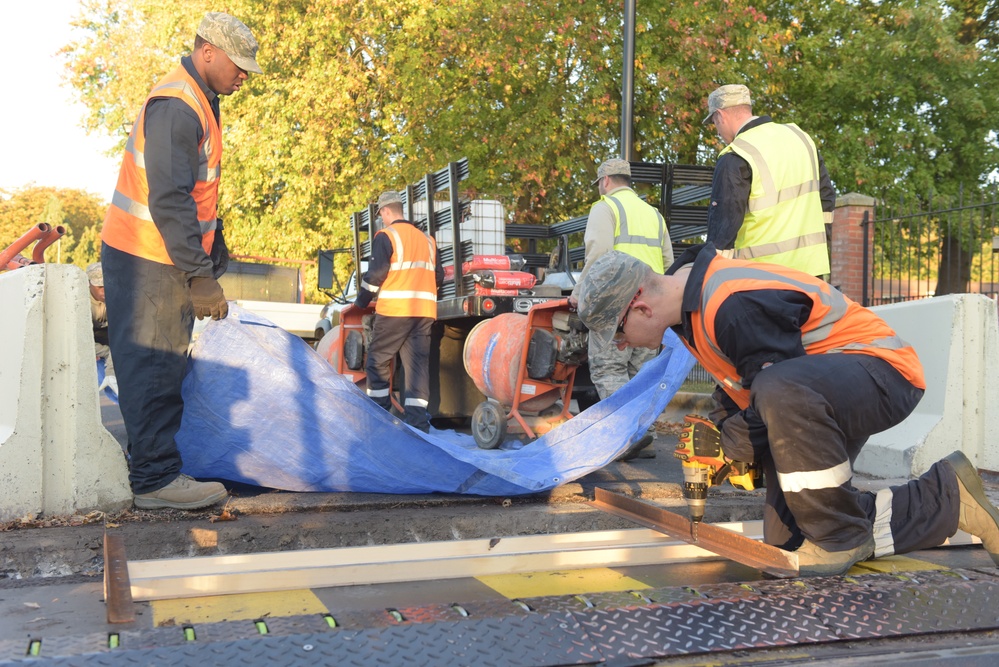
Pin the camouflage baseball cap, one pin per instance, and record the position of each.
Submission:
(232, 36)
(613, 167)
(95, 274)
(388, 198)
(723, 97)
(611, 282)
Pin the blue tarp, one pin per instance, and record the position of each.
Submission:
(263, 408)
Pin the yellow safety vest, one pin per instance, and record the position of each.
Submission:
(410, 288)
(639, 229)
(128, 225)
(784, 223)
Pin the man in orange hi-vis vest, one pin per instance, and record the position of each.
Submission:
(809, 376)
(404, 274)
(163, 252)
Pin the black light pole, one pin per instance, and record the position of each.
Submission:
(628, 80)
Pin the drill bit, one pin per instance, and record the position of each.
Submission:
(693, 530)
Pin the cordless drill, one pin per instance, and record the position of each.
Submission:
(704, 465)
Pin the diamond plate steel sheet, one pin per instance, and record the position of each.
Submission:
(726, 591)
(494, 608)
(698, 627)
(559, 604)
(535, 642)
(896, 610)
(53, 645)
(615, 599)
(428, 614)
(225, 631)
(151, 638)
(671, 594)
(297, 625)
(11, 649)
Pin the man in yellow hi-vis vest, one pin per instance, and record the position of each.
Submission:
(771, 197)
(620, 220)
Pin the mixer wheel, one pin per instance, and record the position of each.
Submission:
(488, 425)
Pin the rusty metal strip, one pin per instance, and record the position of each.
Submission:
(117, 588)
(733, 546)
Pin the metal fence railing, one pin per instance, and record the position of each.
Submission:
(932, 247)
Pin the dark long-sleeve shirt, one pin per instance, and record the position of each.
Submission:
(754, 328)
(730, 188)
(378, 268)
(173, 133)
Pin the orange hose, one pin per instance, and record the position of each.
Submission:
(15, 248)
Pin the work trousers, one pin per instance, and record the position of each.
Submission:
(409, 337)
(150, 319)
(807, 420)
(611, 368)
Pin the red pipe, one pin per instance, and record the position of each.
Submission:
(19, 262)
(15, 248)
(53, 235)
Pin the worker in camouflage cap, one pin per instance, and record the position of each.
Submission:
(613, 167)
(611, 284)
(726, 97)
(389, 198)
(95, 274)
(233, 37)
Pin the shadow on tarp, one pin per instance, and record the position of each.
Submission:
(262, 408)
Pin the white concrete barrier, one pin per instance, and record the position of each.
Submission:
(56, 457)
(957, 339)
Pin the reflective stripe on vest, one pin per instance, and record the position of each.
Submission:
(128, 224)
(639, 229)
(410, 288)
(836, 324)
(784, 222)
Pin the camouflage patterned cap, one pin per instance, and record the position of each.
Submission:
(95, 274)
(723, 97)
(611, 282)
(388, 198)
(232, 36)
(613, 167)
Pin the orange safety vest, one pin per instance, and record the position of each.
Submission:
(128, 225)
(836, 324)
(410, 288)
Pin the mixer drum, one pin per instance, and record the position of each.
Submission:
(493, 357)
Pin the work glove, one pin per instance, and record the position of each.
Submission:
(219, 254)
(208, 298)
(700, 443)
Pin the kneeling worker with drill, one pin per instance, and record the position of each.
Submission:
(808, 375)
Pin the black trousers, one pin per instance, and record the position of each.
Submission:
(150, 319)
(409, 337)
(807, 420)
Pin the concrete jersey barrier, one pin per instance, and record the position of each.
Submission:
(56, 457)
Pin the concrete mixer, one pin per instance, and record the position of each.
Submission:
(524, 365)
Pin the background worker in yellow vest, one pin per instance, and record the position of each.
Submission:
(163, 251)
(771, 197)
(404, 274)
(814, 375)
(620, 220)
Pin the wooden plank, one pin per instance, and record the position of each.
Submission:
(729, 544)
(117, 589)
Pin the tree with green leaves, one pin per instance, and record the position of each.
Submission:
(80, 212)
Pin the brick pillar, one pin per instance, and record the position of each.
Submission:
(846, 265)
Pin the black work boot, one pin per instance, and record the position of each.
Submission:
(978, 516)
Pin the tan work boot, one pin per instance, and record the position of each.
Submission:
(978, 516)
(814, 561)
(183, 493)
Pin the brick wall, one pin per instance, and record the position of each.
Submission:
(846, 270)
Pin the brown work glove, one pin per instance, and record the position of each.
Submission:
(208, 298)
